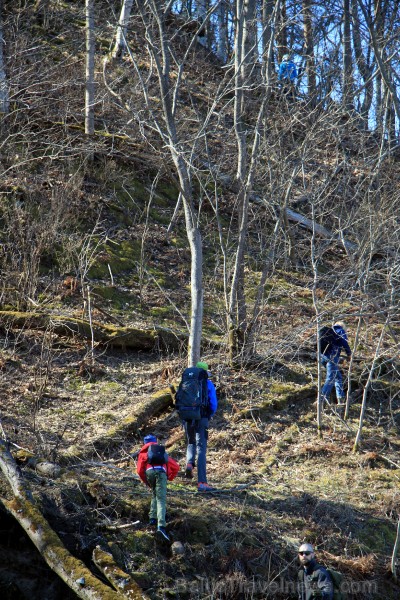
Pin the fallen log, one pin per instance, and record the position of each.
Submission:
(23, 508)
(141, 413)
(132, 338)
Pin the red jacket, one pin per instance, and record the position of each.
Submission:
(171, 468)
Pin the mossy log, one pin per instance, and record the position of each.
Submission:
(132, 338)
(120, 580)
(141, 413)
(23, 508)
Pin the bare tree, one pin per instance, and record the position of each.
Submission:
(4, 93)
(89, 68)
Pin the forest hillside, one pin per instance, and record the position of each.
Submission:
(164, 199)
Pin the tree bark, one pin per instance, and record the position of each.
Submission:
(122, 29)
(309, 50)
(89, 68)
(347, 86)
(4, 94)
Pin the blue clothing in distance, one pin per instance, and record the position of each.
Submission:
(330, 360)
(287, 70)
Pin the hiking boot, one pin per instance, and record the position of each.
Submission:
(189, 471)
(162, 535)
(153, 523)
(204, 487)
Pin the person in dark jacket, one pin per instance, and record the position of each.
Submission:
(330, 360)
(155, 477)
(197, 436)
(314, 580)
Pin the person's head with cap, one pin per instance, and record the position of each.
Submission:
(286, 57)
(202, 365)
(306, 554)
(149, 438)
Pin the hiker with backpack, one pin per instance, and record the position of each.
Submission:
(332, 341)
(154, 468)
(314, 580)
(287, 76)
(196, 402)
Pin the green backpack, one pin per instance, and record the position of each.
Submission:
(337, 580)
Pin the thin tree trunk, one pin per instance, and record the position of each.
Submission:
(350, 369)
(122, 29)
(309, 50)
(318, 319)
(348, 101)
(281, 36)
(161, 55)
(89, 72)
(395, 551)
(357, 440)
(268, 21)
(4, 94)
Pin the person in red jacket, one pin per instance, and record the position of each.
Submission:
(155, 474)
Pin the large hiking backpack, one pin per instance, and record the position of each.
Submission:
(191, 398)
(328, 338)
(156, 455)
(337, 581)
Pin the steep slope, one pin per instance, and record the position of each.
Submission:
(84, 235)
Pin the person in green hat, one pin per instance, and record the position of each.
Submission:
(197, 436)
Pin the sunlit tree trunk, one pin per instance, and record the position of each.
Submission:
(362, 63)
(122, 29)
